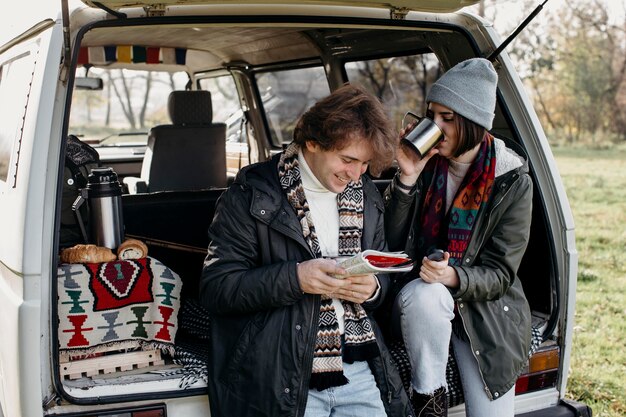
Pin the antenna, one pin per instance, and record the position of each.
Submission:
(492, 56)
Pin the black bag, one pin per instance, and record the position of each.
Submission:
(80, 159)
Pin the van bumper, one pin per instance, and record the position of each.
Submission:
(565, 408)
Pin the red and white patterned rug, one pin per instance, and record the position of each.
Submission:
(121, 304)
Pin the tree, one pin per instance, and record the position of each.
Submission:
(607, 51)
(122, 83)
(573, 60)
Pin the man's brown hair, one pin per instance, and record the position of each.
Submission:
(349, 112)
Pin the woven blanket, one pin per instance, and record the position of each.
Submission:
(122, 305)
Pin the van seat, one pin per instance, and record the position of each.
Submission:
(189, 153)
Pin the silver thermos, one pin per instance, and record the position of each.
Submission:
(103, 194)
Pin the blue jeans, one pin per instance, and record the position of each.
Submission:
(359, 397)
(423, 313)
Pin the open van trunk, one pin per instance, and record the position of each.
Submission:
(131, 337)
(174, 223)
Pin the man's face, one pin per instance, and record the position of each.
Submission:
(336, 168)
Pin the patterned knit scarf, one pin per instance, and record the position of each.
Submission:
(455, 230)
(359, 339)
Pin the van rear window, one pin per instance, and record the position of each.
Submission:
(286, 95)
(400, 82)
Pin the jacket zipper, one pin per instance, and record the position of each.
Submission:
(487, 390)
(307, 361)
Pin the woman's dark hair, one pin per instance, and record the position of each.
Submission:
(349, 112)
(469, 133)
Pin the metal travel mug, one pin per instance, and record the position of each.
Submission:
(424, 136)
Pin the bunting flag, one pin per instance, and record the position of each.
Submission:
(110, 53)
(131, 54)
(168, 55)
(97, 55)
(124, 54)
(139, 54)
(83, 56)
(152, 55)
(181, 55)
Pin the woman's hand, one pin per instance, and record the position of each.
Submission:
(410, 163)
(439, 271)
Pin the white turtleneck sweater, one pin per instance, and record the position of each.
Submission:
(456, 173)
(323, 207)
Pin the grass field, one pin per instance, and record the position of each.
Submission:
(596, 186)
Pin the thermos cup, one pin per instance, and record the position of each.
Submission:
(103, 194)
(424, 136)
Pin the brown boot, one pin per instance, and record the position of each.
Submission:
(435, 405)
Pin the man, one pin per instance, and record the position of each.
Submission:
(287, 337)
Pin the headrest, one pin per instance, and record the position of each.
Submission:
(190, 107)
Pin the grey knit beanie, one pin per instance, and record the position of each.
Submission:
(469, 89)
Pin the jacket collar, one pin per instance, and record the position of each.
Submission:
(511, 162)
(269, 205)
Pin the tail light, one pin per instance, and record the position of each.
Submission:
(542, 371)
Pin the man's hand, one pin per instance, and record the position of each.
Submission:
(358, 288)
(315, 276)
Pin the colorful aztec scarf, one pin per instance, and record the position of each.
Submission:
(359, 339)
(455, 230)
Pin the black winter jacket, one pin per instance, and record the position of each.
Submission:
(490, 299)
(263, 326)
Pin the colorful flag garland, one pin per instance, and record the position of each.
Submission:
(131, 54)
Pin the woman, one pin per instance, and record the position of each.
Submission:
(470, 196)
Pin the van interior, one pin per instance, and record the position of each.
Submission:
(176, 106)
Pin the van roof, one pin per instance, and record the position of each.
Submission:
(34, 12)
(212, 45)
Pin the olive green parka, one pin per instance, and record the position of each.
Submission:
(490, 299)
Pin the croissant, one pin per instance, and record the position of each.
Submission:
(78, 254)
(132, 249)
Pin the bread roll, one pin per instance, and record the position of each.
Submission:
(132, 249)
(79, 254)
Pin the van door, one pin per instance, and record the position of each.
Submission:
(29, 71)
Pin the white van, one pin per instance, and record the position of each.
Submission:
(87, 85)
